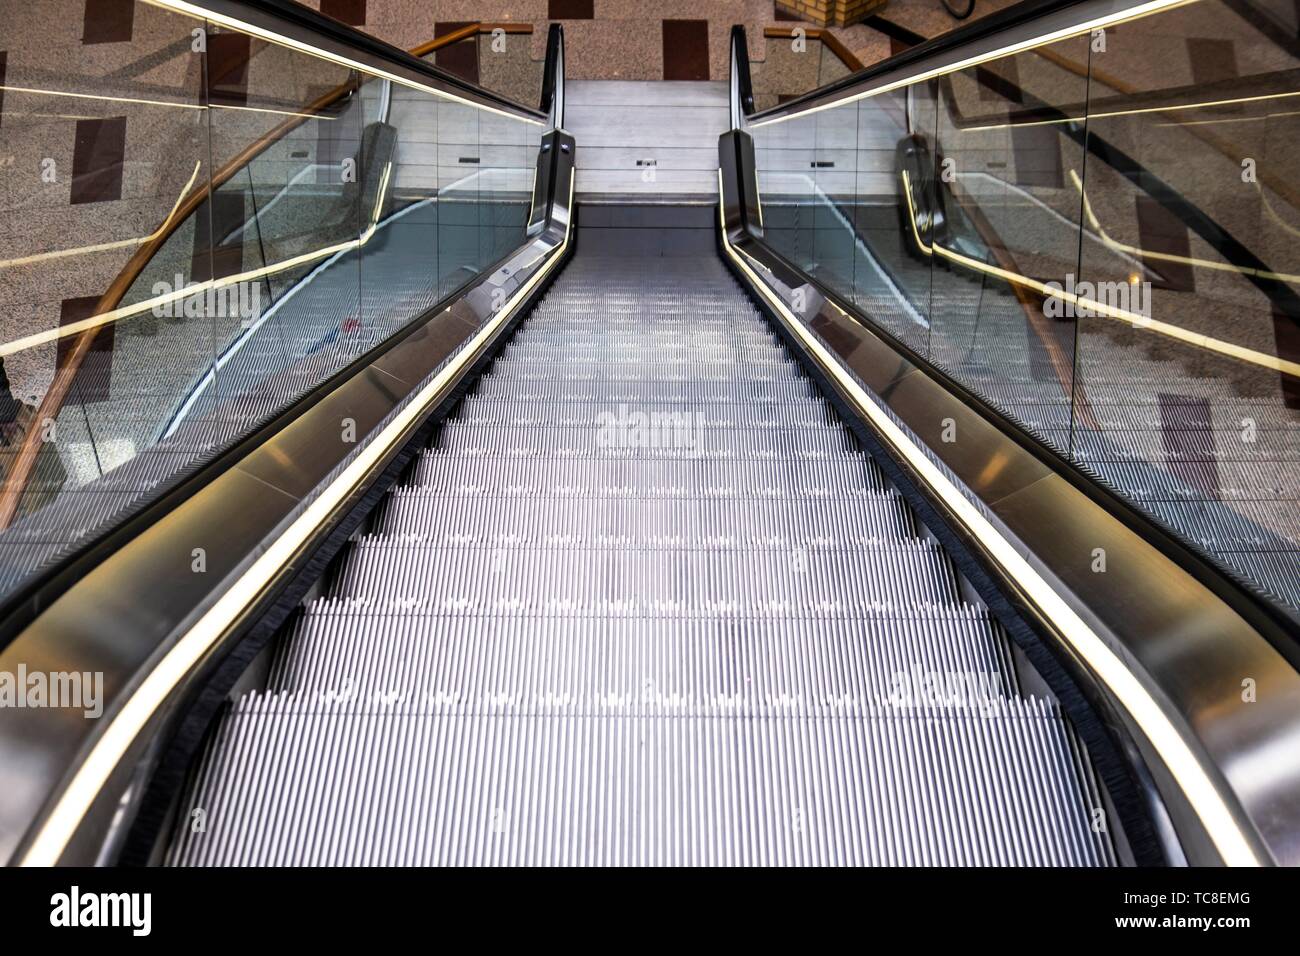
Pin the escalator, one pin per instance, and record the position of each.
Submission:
(569, 643)
(483, 542)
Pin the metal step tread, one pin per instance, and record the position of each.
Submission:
(890, 571)
(283, 784)
(826, 662)
(568, 638)
(764, 522)
(690, 477)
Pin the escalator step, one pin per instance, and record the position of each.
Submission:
(585, 517)
(825, 662)
(321, 785)
(569, 639)
(667, 477)
(886, 573)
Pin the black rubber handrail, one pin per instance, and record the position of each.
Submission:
(332, 29)
(552, 101)
(1284, 299)
(1012, 16)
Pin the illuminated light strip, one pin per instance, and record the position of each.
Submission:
(1169, 256)
(197, 11)
(1195, 781)
(46, 115)
(267, 109)
(183, 106)
(104, 246)
(1229, 119)
(115, 315)
(107, 752)
(1114, 19)
(1199, 339)
(99, 96)
(95, 321)
(1137, 111)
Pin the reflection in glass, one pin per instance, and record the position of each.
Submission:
(1010, 211)
(220, 233)
(1189, 190)
(1098, 236)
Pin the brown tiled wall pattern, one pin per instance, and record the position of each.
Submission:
(97, 159)
(1163, 232)
(106, 170)
(214, 258)
(571, 9)
(686, 49)
(228, 56)
(1287, 335)
(347, 11)
(93, 383)
(1213, 59)
(459, 59)
(108, 21)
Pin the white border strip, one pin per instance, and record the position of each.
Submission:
(1195, 781)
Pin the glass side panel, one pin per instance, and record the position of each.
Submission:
(200, 227)
(1189, 198)
(833, 171)
(281, 228)
(508, 59)
(458, 194)
(783, 155)
(794, 65)
(507, 162)
(1008, 209)
(89, 354)
(1098, 236)
(398, 214)
(892, 280)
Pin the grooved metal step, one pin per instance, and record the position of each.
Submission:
(572, 639)
(413, 656)
(322, 785)
(666, 477)
(592, 518)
